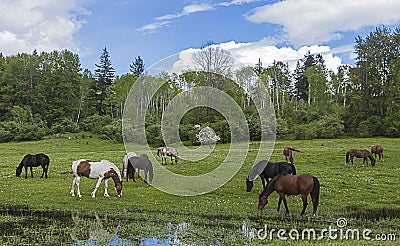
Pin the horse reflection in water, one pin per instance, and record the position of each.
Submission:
(98, 234)
(102, 170)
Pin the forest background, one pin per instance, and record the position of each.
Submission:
(50, 93)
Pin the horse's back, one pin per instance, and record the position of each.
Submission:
(141, 163)
(42, 159)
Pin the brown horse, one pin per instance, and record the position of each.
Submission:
(377, 150)
(285, 184)
(287, 152)
(365, 154)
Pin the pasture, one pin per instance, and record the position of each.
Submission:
(41, 211)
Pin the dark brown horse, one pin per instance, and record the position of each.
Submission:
(287, 152)
(377, 150)
(285, 184)
(365, 154)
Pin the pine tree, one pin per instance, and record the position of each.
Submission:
(137, 67)
(105, 76)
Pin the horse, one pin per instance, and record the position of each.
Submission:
(102, 170)
(359, 154)
(377, 150)
(287, 152)
(34, 161)
(267, 170)
(125, 162)
(167, 151)
(140, 163)
(285, 184)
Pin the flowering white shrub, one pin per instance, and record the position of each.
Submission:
(207, 136)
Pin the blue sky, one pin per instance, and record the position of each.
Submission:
(155, 29)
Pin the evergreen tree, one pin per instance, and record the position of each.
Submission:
(104, 75)
(137, 67)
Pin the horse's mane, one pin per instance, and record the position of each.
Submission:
(271, 183)
(257, 169)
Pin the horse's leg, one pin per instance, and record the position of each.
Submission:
(365, 160)
(77, 183)
(31, 172)
(72, 192)
(304, 198)
(145, 175)
(279, 204)
(97, 186)
(263, 181)
(171, 160)
(282, 196)
(106, 188)
(133, 174)
(47, 168)
(26, 172)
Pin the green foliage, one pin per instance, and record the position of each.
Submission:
(113, 131)
(13, 131)
(95, 123)
(65, 126)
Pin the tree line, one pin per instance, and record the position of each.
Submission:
(49, 93)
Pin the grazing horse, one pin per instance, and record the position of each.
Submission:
(285, 184)
(140, 163)
(167, 151)
(378, 150)
(96, 170)
(365, 154)
(267, 170)
(34, 161)
(287, 152)
(125, 162)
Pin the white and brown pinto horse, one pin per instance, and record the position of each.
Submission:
(96, 170)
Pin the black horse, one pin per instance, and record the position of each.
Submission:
(34, 161)
(267, 170)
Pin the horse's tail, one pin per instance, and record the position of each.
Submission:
(347, 157)
(293, 169)
(294, 149)
(315, 194)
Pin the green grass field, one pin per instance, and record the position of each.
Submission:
(40, 211)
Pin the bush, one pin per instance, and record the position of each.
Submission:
(95, 123)
(370, 127)
(113, 131)
(65, 125)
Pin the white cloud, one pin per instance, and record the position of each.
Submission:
(314, 22)
(249, 53)
(160, 21)
(44, 25)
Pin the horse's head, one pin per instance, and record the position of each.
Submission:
(373, 161)
(118, 188)
(19, 171)
(262, 200)
(249, 185)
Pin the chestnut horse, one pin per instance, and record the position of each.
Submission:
(287, 152)
(377, 150)
(96, 170)
(365, 154)
(285, 184)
